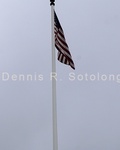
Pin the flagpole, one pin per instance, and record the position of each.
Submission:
(54, 104)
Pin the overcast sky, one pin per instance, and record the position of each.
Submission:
(88, 100)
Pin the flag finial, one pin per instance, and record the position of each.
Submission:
(52, 2)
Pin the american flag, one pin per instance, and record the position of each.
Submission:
(64, 55)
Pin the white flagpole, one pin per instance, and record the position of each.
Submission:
(54, 104)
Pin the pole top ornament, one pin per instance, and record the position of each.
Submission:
(52, 2)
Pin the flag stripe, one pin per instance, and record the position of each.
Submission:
(59, 42)
(63, 50)
(67, 58)
(62, 40)
(64, 55)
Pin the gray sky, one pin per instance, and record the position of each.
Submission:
(88, 107)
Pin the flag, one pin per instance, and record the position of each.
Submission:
(64, 55)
